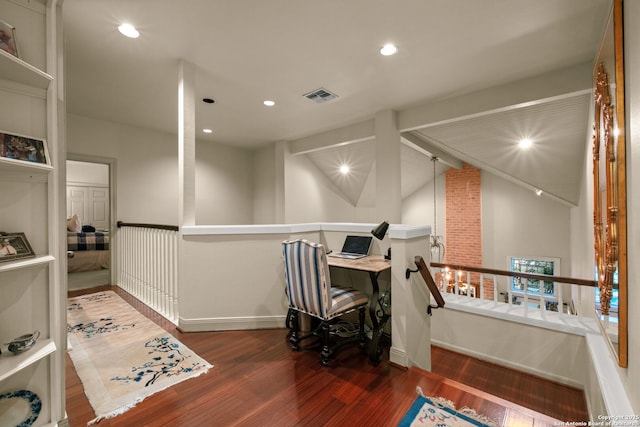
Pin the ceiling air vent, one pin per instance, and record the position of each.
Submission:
(320, 96)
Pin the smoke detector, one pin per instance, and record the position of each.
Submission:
(320, 96)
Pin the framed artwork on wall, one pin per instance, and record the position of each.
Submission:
(610, 186)
(23, 148)
(14, 246)
(8, 38)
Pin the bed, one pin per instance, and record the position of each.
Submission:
(87, 249)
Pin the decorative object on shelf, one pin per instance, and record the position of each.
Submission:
(24, 148)
(14, 246)
(19, 408)
(23, 342)
(8, 38)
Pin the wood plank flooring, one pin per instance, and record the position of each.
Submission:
(258, 381)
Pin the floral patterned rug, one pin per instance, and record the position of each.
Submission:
(440, 412)
(121, 356)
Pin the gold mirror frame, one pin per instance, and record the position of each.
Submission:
(609, 201)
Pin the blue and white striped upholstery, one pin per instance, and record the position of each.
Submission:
(309, 284)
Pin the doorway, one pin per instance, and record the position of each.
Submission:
(89, 231)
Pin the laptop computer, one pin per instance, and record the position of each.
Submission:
(354, 247)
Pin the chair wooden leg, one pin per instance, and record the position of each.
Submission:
(295, 330)
(326, 338)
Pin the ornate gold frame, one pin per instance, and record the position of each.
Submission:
(609, 156)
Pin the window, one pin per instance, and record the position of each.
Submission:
(539, 266)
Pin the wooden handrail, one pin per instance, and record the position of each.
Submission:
(426, 276)
(543, 277)
(156, 226)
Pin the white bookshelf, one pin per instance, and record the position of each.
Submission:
(25, 263)
(11, 364)
(33, 290)
(18, 71)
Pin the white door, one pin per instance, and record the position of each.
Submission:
(98, 213)
(77, 198)
(91, 204)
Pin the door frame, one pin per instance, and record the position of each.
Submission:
(112, 163)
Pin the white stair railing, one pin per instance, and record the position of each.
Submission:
(494, 285)
(148, 266)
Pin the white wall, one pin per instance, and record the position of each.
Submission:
(224, 185)
(582, 237)
(516, 222)
(311, 197)
(147, 173)
(264, 186)
(95, 174)
(417, 208)
(554, 354)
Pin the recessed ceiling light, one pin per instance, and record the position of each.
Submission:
(129, 31)
(269, 103)
(389, 49)
(207, 130)
(344, 169)
(525, 143)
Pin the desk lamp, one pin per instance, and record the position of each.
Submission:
(379, 233)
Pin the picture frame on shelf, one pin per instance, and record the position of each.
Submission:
(14, 246)
(24, 148)
(8, 38)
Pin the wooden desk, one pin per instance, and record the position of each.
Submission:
(374, 265)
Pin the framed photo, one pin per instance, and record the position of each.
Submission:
(23, 148)
(14, 246)
(8, 38)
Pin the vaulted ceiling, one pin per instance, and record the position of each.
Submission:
(245, 52)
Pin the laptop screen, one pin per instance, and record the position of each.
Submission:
(357, 245)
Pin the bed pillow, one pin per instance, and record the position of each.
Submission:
(73, 224)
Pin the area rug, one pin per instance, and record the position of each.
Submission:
(121, 356)
(440, 412)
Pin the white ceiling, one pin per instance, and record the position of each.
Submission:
(247, 51)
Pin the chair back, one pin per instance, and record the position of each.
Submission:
(307, 277)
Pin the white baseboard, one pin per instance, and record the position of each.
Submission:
(398, 357)
(230, 323)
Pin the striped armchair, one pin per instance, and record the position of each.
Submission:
(310, 292)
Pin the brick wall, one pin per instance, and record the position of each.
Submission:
(463, 221)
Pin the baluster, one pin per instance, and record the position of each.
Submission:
(495, 288)
(559, 301)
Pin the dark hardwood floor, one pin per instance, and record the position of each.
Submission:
(258, 381)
